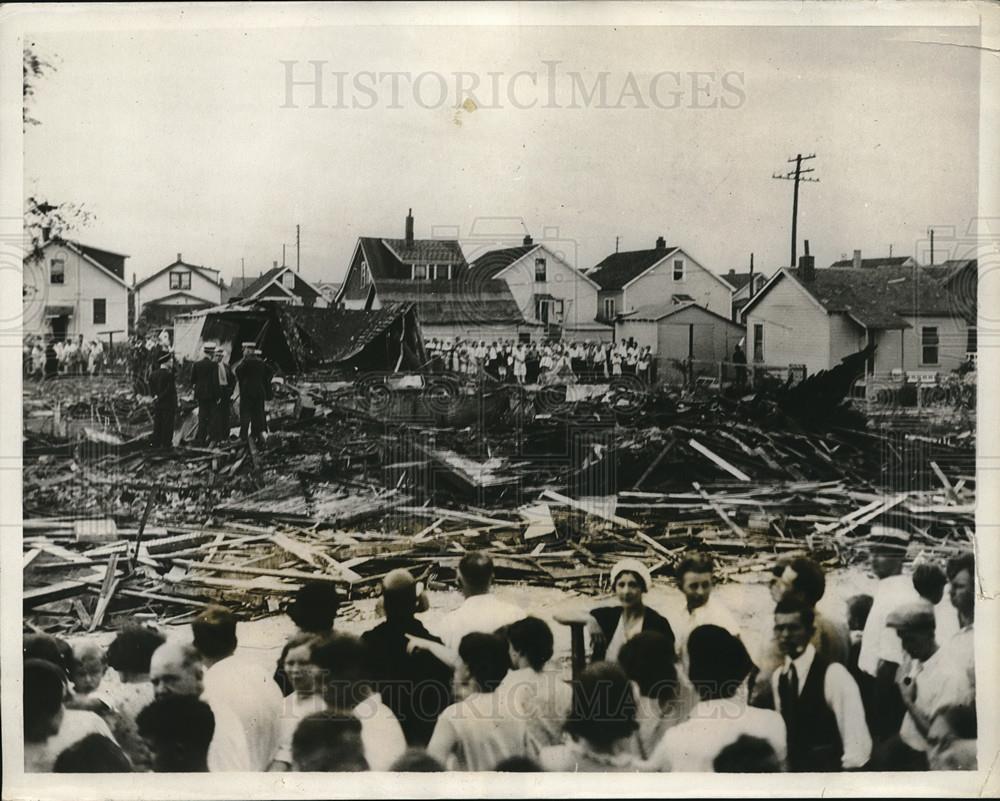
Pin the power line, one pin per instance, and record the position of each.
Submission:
(796, 175)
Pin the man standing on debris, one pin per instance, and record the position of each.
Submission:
(255, 387)
(226, 383)
(818, 699)
(481, 610)
(238, 683)
(205, 380)
(163, 387)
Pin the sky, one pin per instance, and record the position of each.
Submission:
(189, 141)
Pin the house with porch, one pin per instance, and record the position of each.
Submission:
(547, 290)
(282, 285)
(178, 288)
(70, 289)
(665, 273)
(814, 318)
(433, 274)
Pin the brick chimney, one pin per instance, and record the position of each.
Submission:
(275, 267)
(661, 243)
(179, 257)
(857, 260)
(528, 240)
(409, 227)
(807, 265)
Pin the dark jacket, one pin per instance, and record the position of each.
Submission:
(814, 742)
(607, 618)
(163, 387)
(255, 379)
(205, 379)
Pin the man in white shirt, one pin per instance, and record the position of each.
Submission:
(881, 653)
(695, 579)
(961, 572)
(347, 687)
(818, 699)
(481, 610)
(238, 683)
(177, 669)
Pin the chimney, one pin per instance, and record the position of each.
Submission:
(751, 263)
(732, 272)
(179, 257)
(275, 263)
(661, 243)
(807, 265)
(528, 240)
(857, 260)
(409, 227)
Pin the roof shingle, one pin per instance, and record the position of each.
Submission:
(619, 268)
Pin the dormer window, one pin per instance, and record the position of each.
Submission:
(180, 279)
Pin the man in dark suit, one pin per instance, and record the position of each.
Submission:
(205, 380)
(254, 377)
(226, 386)
(163, 387)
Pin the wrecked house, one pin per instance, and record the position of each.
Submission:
(299, 339)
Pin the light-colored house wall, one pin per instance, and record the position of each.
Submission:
(796, 328)
(579, 296)
(159, 287)
(846, 337)
(449, 332)
(952, 339)
(658, 285)
(83, 282)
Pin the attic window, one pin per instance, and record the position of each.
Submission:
(540, 270)
(678, 269)
(288, 280)
(180, 279)
(419, 272)
(57, 274)
(366, 276)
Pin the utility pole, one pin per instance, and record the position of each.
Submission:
(298, 254)
(890, 250)
(796, 175)
(243, 270)
(616, 243)
(931, 231)
(282, 254)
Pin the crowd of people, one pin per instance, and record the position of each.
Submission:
(507, 361)
(46, 356)
(890, 687)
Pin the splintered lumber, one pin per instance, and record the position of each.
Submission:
(952, 496)
(95, 531)
(590, 508)
(733, 471)
(142, 524)
(258, 571)
(426, 532)
(720, 512)
(52, 592)
(30, 557)
(312, 556)
(539, 518)
(108, 587)
(655, 463)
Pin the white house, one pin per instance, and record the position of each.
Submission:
(178, 288)
(664, 274)
(72, 289)
(283, 285)
(546, 289)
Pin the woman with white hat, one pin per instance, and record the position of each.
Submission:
(610, 627)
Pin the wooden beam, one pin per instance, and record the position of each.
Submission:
(257, 571)
(718, 460)
(590, 509)
(720, 511)
(653, 464)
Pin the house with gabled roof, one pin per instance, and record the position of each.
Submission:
(666, 273)
(70, 289)
(178, 288)
(433, 274)
(282, 285)
(814, 318)
(745, 286)
(547, 289)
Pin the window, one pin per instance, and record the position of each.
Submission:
(419, 272)
(758, 342)
(928, 344)
(100, 311)
(678, 269)
(366, 277)
(609, 308)
(540, 270)
(58, 272)
(288, 280)
(971, 340)
(180, 280)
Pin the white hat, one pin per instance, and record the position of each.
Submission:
(632, 566)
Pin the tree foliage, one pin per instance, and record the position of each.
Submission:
(35, 67)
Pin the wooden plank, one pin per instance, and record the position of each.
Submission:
(108, 587)
(655, 463)
(590, 509)
(52, 592)
(539, 518)
(720, 512)
(30, 557)
(718, 460)
(258, 571)
(952, 496)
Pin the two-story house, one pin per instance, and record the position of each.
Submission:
(548, 291)
(72, 289)
(451, 302)
(178, 288)
(633, 279)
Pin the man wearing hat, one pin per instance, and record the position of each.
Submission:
(929, 679)
(204, 379)
(254, 377)
(225, 386)
(163, 387)
(881, 653)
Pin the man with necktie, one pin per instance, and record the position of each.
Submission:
(818, 699)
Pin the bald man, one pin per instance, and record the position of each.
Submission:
(178, 670)
(415, 686)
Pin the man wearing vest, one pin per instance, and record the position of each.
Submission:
(819, 700)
